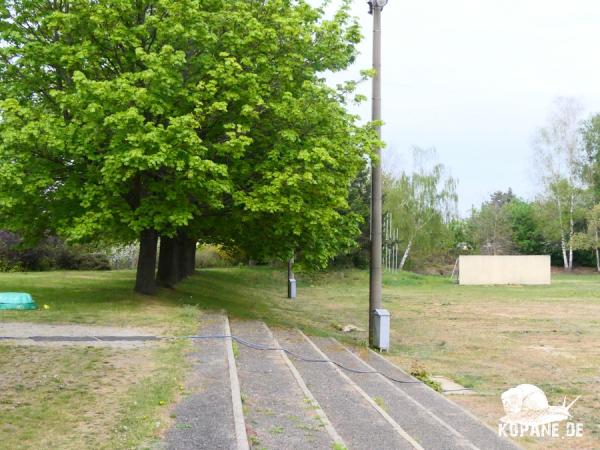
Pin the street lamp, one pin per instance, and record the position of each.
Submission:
(376, 4)
(375, 8)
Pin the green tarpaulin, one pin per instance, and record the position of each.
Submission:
(16, 300)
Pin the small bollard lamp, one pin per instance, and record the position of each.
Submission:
(291, 288)
(291, 279)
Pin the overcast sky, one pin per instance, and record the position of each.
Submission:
(476, 78)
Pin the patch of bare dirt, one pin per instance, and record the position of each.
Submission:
(69, 397)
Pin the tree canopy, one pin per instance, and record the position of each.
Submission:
(124, 119)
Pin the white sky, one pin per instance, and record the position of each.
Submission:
(476, 78)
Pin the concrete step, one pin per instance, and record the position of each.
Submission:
(429, 430)
(465, 423)
(361, 423)
(210, 417)
(278, 413)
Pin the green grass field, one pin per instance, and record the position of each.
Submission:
(486, 338)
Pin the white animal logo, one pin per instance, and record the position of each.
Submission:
(527, 405)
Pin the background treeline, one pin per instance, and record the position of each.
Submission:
(563, 220)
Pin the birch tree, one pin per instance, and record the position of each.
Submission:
(559, 162)
(421, 203)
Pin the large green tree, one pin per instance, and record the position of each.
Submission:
(506, 224)
(491, 225)
(526, 231)
(184, 119)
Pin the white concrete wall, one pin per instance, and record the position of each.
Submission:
(513, 269)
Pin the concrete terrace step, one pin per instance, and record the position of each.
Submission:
(210, 417)
(429, 430)
(290, 403)
(473, 429)
(278, 413)
(355, 416)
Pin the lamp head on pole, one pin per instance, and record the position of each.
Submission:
(376, 4)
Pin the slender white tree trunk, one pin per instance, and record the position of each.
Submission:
(571, 229)
(563, 243)
(570, 257)
(597, 250)
(563, 247)
(405, 255)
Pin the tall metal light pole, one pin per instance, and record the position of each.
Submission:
(376, 6)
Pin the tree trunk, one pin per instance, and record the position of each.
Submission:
(167, 275)
(571, 230)
(405, 255)
(179, 258)
(570, 257)
(597, 250)
(145, 279)
(187, 256)
(563, 248)
(563, 244)
(290, 268)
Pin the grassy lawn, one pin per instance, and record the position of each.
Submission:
(486, 338)
(75, 397)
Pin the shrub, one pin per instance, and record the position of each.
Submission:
(209, 255)
(123, 257)
(49, 254)
(92, 261)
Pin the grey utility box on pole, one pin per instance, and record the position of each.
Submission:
(381, 329)
(291, 288)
